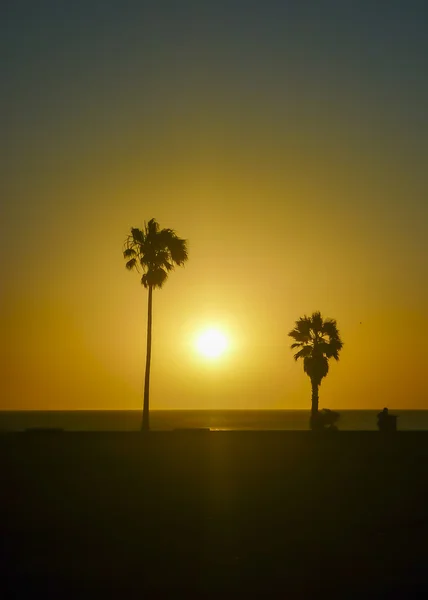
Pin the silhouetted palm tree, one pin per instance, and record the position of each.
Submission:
(318, 340)
(154, 252)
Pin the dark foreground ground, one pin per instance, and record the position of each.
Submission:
(222, 514)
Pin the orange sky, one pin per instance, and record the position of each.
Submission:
(291, 203)
(263, 251)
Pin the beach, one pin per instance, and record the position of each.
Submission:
(206, 513)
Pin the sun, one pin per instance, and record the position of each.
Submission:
(211, 343)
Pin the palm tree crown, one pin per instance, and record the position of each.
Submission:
(318, 340)
(154, 252)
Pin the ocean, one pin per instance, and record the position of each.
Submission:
(124, 420)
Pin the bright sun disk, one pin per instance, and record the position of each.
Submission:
(211, 343)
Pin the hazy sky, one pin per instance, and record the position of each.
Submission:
(286, 140)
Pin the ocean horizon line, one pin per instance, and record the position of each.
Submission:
(153, 410)
(293, 419)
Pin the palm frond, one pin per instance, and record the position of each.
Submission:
(330, 328)
(147, 259)
(296, 345)
(316, 367)
(166, 233)
(129, 252)
(177, 248)
(331, 348)
(316, 322)
(152, 228)
(300, 336)
(303, 325)
(131, 264)
(163, 259)
(137, 235)
(333, 352)
(167, 265)
(303, 353)
(153, 260)
(129, 242)
(155, 278)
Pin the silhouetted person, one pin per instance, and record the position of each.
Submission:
(324, 420)
(386, 422)
(329, 419)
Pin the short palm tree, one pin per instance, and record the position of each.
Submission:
(153, 252)
(317, 340)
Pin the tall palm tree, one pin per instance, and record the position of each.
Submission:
(153, 252)
(318, 340)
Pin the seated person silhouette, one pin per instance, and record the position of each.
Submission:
(385, 421)
(324, 420)
(329, 419)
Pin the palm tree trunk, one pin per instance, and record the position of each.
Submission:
(315, 402)
(145, 423)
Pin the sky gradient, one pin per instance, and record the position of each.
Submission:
(287, 141)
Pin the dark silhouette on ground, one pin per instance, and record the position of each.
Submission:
(226, 514)
(326, 420)
(386, 422)
(318, 340)
(154, 252)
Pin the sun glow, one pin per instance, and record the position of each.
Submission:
(211, 343)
